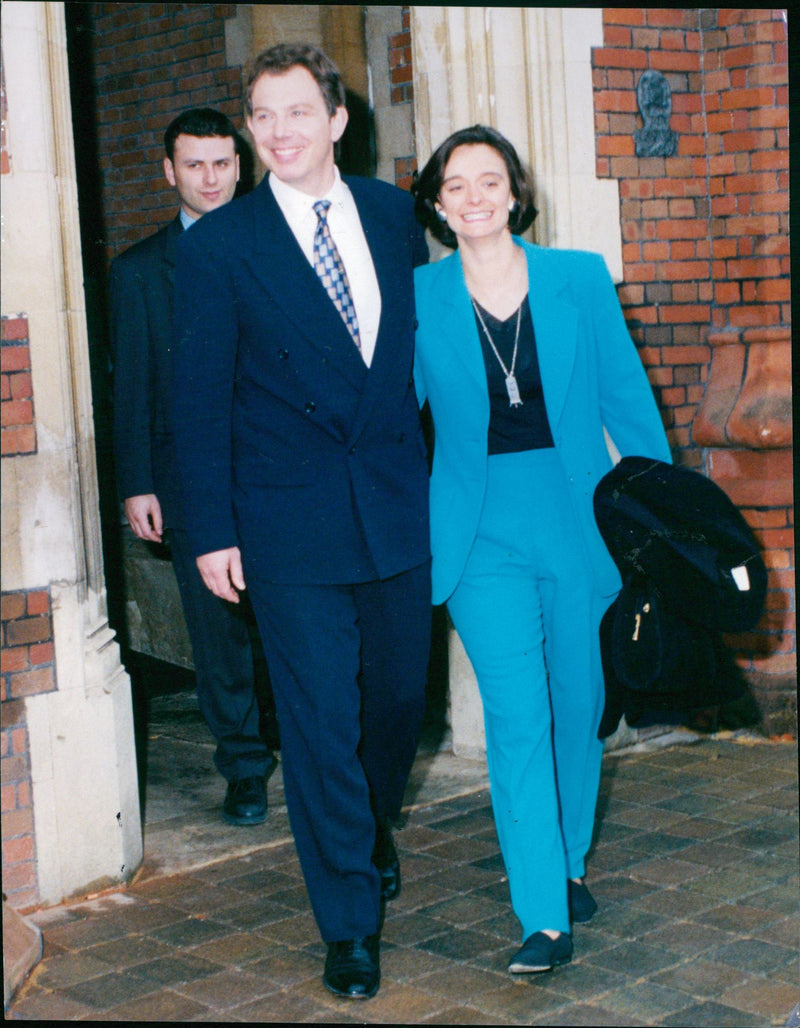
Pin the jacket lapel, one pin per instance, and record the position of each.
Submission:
(555, 324)
(171, 237)
(381, 236)
(283, 271)
(460, 339)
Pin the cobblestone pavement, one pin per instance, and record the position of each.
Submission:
(695, 868)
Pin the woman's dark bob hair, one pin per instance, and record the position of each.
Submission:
(428, 183)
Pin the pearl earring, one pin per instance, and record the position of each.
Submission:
(441, 216)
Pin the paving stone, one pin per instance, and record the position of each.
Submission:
(754, 955)
(587, 1014)
(191, 932)
(172, 970)
(227, 989)
(464, 1015)
(129, 951)
(712, 1015)
(646, 1000)
(110, 990)
(164, 1005)
(763, 996)
(704, 977)
(460, 943)
(634, 959)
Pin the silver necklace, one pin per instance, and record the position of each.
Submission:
(514, 399)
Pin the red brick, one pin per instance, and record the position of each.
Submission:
(18, 880)
(18, 823)
(38, 602)
(15, 358)
(28, 630)
(13, 329)
(619, 58)
(31, 683)
(14, 658)
(624, 15)
(41, 653)
(13, 605)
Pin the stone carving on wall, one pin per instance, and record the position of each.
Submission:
(655, 138)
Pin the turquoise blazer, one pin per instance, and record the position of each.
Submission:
(592, 378)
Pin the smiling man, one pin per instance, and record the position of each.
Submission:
(305, 479)
(202, 165)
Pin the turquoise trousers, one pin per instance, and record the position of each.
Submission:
(528, 613)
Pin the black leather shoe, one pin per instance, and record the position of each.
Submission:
(384, 857)
(353, 967)
(541, 953)
(582, 904)
(246, 802)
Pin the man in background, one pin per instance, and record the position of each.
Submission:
(202, 165)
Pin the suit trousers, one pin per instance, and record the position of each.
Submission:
(349, 667)
(222, 654)
(528, 613)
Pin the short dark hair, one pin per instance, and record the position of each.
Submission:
(201, 122)
(428, 183)
(283, 57)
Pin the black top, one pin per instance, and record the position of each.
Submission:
(525, 427)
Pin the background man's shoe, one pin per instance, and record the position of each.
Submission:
(352, 967)
(384, 857)
(541, 953)
(246, 802)
(582, 904)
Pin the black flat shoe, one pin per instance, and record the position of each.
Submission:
(541, 953)
(353, 968)
(246, 802)
(582, 904)
(384, 857)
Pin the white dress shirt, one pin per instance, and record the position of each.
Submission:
(345, 225)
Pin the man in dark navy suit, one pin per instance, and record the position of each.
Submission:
(304, 477)
(202, 164)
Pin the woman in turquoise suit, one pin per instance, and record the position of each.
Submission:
(524, 357)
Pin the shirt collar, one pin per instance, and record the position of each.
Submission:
(186, 221)
(300, 203)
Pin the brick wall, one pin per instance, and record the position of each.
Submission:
(28, 668)
(400, 68)
(26, 639)
(151, 62)
(705, 233)
(706, 253)
(17, 420)
(402, 91)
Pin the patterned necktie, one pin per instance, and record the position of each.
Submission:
(328, 265)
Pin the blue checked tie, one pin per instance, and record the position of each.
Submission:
(328, 265)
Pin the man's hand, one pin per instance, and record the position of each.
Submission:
(222, 573)
(144, 516)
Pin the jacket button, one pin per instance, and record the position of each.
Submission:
(283, 354)
(352, 450)
(310, 407)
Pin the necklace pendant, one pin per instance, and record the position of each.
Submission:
(514, 399)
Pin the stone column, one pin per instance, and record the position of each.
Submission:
(85, 799)
(527, 72)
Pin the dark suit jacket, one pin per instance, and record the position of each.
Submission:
(288, 445)
(141, 287)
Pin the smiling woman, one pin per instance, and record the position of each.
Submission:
(523, 355)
